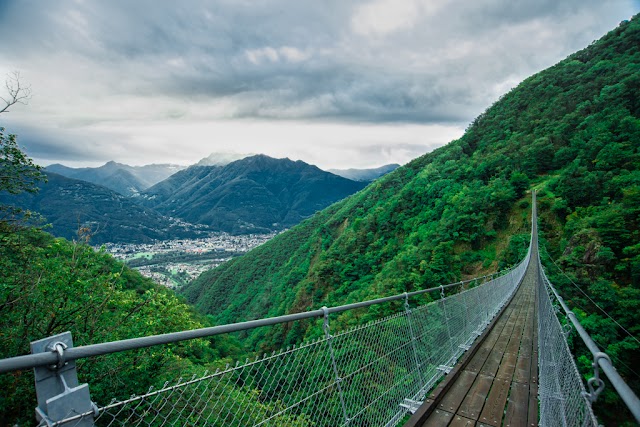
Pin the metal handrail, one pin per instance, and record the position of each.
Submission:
(92, 350)
(626, 394)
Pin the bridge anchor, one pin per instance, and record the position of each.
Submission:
(411, 405)
(60, 397)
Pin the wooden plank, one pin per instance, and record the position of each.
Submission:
(495, 332)
(459, 421)
(532, 417)
(507, 366)
(525, 344)
(517, 406)
(514, 341)
(490, 367)
(478, 360)
(501, 344)
(523, 369)
(438, 419)
(514, 344)
(496, 401)
(458, 392)
(534, 368)
(473, 403)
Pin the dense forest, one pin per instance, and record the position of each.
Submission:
(571, 131)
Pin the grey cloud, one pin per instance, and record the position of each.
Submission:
(285, 59)
(344, 77)
(41, 143)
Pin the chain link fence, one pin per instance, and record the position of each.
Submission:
(370, 375)
(561, 392)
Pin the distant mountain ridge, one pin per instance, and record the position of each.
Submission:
(258, 193)
(255, 194)
(365, 175)
(124, 179)
(67, 204)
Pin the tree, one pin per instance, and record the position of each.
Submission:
(18, 173)
(18, 93)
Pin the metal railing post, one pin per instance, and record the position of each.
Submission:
(447, 368)
(60, 397)
(329, 338)
(407, 311)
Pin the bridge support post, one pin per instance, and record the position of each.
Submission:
(407, 311)
(329, 338)
(446, 322)
(60, 397)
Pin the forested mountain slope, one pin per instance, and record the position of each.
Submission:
(254, 194)
(70, 204)
(572, 131)
(51, 285)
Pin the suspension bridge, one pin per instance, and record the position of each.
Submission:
(489, 351)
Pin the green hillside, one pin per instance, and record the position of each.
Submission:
(572, 131)
(52, 285)
(254, 194)
(68, 204)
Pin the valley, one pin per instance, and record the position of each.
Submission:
(174, 263)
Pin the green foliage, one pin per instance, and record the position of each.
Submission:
(48, 286)
(18, 174)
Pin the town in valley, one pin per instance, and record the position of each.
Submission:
(174, 263)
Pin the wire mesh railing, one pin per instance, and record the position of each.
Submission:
(562, 395)
(370, 375)
(365, 376)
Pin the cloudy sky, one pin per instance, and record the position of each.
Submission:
(334, 83)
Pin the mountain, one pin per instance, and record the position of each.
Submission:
(126, 180)
(365, 175)
(572, 132)
(221, 158)
(69, 203)
(257, 193)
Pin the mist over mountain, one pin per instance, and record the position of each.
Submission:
(258, 193)
(365, 175)
(222, 158)
(124, 179)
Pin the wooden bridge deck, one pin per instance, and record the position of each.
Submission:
(496, 382)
